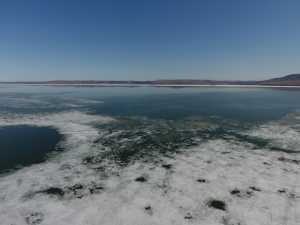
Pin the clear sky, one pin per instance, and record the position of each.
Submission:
(145, 40)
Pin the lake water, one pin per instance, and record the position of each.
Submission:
(149, 154)
(248, 104)
(24, 145)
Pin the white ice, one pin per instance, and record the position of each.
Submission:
(174, 195)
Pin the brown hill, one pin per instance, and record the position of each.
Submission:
(289, 80)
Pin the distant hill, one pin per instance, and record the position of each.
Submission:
(289, 80)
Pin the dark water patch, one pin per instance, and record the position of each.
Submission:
(25, 145)
(167, 166)
(201, 180)
(283, 190)
(217, 204)
(235, 191)
(148, 209)
(141, 179)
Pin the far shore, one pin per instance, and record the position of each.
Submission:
(153, 85)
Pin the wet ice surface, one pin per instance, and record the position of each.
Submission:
(135, 171)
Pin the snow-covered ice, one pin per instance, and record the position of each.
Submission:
(255, 186)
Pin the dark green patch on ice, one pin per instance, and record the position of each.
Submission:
(129, 139)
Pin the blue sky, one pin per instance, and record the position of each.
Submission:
(146, 40)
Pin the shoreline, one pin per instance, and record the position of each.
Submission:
(155, 85)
